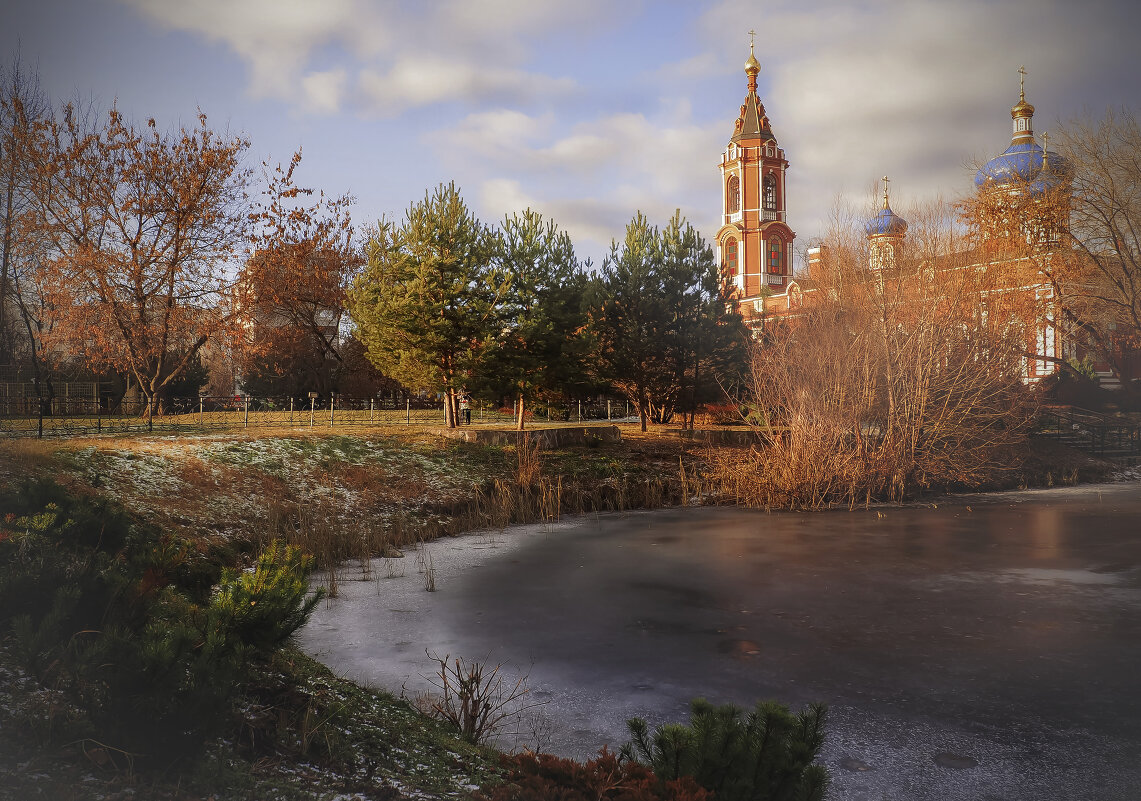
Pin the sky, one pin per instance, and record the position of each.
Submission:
(591, 110)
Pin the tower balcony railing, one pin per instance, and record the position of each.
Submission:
(771, 215)
(734, 216)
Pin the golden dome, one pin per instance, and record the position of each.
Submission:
(1022, 109)
(752, 66)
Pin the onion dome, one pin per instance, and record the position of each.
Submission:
(886, 222)
(1022, 109)
(1019, 166)
(752, 66)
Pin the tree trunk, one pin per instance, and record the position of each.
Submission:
(449, 407)
(5, 345)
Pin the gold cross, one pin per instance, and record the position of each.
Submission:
(1022, 82)
(751, 35)
(885, 180)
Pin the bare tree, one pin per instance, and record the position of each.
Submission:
(1099, 275)
(23, 108)
(141, 226)
(894, 378)
(293, 290)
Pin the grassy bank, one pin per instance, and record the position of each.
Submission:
(294, 730)
(351, 495)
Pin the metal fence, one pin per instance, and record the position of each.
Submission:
(86, 416)
(1109, 436)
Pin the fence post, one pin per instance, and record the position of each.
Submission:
(312, 407)
(291, 410)
(580, 411)
(201, 408)
(608, 410)
(408, 411)
(371, 418)
(332, 405)
(245, 411)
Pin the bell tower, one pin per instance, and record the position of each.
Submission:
(754, 240)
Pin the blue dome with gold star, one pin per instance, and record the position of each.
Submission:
(1020, 166)
(886, 223)
(1024, 166)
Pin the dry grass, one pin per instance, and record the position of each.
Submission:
(347, 499)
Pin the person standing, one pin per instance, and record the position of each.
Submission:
(465, 407)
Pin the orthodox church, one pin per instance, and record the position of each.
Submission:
(755, 241)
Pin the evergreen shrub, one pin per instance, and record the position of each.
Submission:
(144, 637)
(763, 755)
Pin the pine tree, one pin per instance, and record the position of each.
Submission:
(539, 349)
(424, 306)
(627, 315)
(666, 333)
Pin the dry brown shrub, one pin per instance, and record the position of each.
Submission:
(893, 380)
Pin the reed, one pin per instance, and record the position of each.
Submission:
(341, 524)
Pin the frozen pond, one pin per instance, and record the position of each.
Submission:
(988, 648)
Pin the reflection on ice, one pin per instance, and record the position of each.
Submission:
(1040, 575)
(1000, 629)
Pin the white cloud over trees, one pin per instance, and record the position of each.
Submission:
(600, 108)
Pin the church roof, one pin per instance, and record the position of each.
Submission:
(1025, 165)
(752, 123)
(886, 222)
(1021, 165)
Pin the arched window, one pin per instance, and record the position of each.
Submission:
(734, 195)
(731, 258)
(776, 257)
(770, 194)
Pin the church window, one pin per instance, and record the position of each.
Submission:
(770, 194)
(776, 257)
(734, 199)
(731, 258)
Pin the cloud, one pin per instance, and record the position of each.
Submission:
(913, 89)
(323, 91)
(401, 56)
(590, 221)
(422, 81)
(591, 178)
(276, 38)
